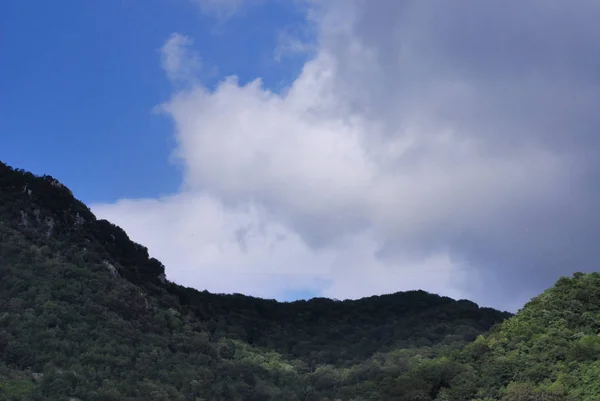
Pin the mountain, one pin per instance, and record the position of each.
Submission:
(549, 351)
(86, 314)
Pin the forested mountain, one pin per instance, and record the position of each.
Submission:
(86, 314)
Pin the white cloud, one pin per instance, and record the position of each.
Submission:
(223, 249)
(180, 62)
(243, 249)
(390, 163)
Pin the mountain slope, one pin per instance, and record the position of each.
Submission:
(549, 351)
(323, 331)
(86, 313)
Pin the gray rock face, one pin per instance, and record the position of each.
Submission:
(112, 269)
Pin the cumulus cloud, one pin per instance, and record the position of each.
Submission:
(449, 147)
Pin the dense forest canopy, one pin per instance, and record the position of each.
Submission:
(87, 314)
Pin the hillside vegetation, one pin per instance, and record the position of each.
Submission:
(86, 314)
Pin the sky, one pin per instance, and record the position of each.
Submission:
(298, 148)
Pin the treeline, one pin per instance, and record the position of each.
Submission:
(85, 313)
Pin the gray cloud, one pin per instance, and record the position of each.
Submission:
(510, 76)
(450, 146)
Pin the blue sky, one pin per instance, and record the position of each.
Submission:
(79, 80)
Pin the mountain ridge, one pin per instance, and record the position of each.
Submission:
(86, 313)
(59, 198)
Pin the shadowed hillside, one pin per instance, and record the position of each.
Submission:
(86, 313)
